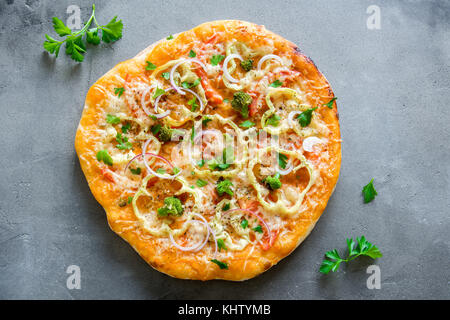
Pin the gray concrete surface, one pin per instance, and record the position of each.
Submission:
(393, 86)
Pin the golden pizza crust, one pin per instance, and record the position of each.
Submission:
(243, 264)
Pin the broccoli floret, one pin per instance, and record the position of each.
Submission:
(165, 134)
(224, 186)
(273, 182)
(247, 65)
(171, 206)
(240, 103)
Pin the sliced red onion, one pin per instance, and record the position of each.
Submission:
(210, 232)
(144, 148)
(195, 247)
(172, 71)
(144, 107)
(310, 142)
(225, 66)
(269, 233)
(267, 57)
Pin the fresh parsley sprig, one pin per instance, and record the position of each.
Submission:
(76, 41)
(362, 248)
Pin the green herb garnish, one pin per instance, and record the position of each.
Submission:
(274, 120)
(158, 92)
(216, 59)
(276, 84)
(221, 244)
(165, 75)
(369, 192)
(224, 186)
(222, 265)
(150, 66)
(258, 229)
(123, 143)
(282, 160)
(244, 223)
(305, 117)
(112, 119)
(126, 127)
(201, 183)
(363, 248)
(136, 171)
(104, 156)
(246, 124)
(329, 104)
(192, 54)
(119, 91)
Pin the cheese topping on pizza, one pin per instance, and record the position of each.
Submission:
(218, 147)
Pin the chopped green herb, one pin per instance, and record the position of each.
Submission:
(136, 171)
(130, 199)
(258, 229)
(276, 84)
(123, 143)
(246, 124)
(221, 244)
(224, 186)
(226, 101)
(240, 103)
(192, 54)
(188, 85)
(363, 248)
(176, 170)
(201, 163)
(126, 127)
(112, 119)
(369, 192)
(244, 223)
(158, 92)
(329, 104)
(75, 44)
(216, 59)
(247, 65)
(205, 121)
(171, 206)
(155, 129)
(201, 183)
(222, 265)
(282, 160)
(104, 156)
(305, 117)
(169, 37)
(193, 103)
(274, 120)
(165, 75)
(119, 91)
(160, 171)
(226, 207)
(150, 66)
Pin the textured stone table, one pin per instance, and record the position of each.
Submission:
(393, 86)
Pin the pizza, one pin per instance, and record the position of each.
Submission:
(214, 151)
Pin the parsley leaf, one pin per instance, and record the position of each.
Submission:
(104, 157)
(224, 186)
(166, 75)
(244, 223)
(169, 37)
(276, 84)
(246, 124)
(76, 41)
(258, 229)
(329, 104)
(282, 160)
(188, 85)
(222, 265)
(176, 170)
(221, 244)
(305, 117)
(201, 163)
(119, 91)
(193, 103)
(274, 120)
(123, 143)
(136, 171)
(201, 183)
(126, 127)
(216, 59)
(369, 192)
(150, 66)
(155, 129)
(158, 92)
(226, 207)
(192, 54)
(112, 119)
(205, 121)
(363, 248)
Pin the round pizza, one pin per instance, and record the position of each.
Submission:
(214, 151)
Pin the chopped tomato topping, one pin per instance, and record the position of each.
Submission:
(108, 175)
(211, 94)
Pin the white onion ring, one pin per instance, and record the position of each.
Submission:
(210, 232)
(267, 57)
(225, 66)
(144, 107)
(172, 71)
(310, 142)
(195, 247)
(284, 172)
(144, 148)
(291, 116)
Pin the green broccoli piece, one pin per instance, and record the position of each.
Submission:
(240, 103)
(247, 65)
(171, 206)
(273, 182)
(224, 186)
(165, 134)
